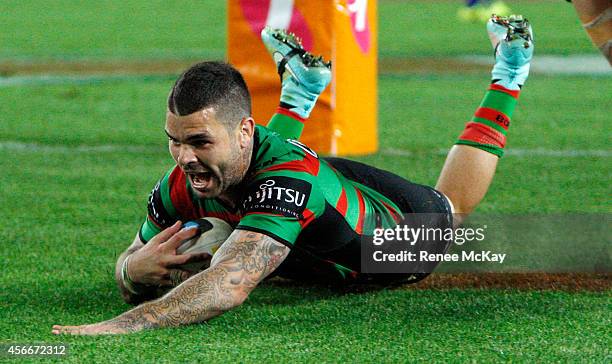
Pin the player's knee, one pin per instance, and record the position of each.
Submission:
(459, 209)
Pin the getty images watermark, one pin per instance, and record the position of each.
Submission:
(412, 236)
(420, 242)
(532, 242)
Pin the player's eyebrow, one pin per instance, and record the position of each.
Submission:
(168, 134)
(192, 137)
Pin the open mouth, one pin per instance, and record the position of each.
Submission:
(201, 181)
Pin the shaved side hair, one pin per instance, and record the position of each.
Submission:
(211, 84)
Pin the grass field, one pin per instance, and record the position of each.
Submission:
(80, 156)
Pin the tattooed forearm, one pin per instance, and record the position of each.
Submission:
(243, 261)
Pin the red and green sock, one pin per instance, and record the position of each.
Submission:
(287, 123)
(489, 125)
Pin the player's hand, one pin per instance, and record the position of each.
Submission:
(155, 263)
(101, 328)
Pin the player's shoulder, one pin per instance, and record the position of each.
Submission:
(283, 177)
(283, 156)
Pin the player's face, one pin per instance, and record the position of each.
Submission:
(212, 157)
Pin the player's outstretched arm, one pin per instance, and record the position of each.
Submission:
(243, 261)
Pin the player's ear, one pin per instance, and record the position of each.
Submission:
(246, 132)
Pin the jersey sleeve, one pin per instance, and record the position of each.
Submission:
(281, 205)
(160, 211)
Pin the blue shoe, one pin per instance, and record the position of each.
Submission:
(512, 39)
(303, 76)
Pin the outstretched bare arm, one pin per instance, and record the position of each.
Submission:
(243, 261)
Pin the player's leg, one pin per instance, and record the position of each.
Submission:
(303, 79)
(596, 18)
(470, 165)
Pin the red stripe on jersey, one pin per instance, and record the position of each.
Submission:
(308, 164)
(309, 217)
(180, 196)
(359, 227)
(483, 134)
(396, 216)
(291, 114)
(493, 115)
(342, 204)
(513, 93)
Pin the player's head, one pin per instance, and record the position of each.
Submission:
(210, 127)
(211, 84)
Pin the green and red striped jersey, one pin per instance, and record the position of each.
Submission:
(290, 194)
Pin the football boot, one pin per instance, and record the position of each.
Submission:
(303, 76)
(512, 41)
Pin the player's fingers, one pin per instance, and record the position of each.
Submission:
(166, 234)
(58, 329)
(180, 236)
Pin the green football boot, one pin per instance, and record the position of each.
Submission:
(303, 76)
(512, 40)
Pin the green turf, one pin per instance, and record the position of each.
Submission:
(63, 29)
(306, 324)
(80, 158)
(430, 28)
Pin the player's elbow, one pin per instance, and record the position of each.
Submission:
(239, 298)
(240, 293)
(232, 298)
(235, 294)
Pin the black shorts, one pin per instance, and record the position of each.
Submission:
(409, 197)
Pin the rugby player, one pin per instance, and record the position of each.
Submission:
(294, 214)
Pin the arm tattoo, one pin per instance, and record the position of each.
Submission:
(243, 261)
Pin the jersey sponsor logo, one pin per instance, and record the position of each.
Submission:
(278, 195)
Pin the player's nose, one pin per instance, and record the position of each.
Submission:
(186, 155)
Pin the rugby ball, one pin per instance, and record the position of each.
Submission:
(212, 232)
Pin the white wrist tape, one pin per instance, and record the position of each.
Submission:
(125, 277)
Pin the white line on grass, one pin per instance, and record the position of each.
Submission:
(105, 148)
(549, 64)
(517, 152)
(50, 79)
(114, 148)
(577, 64)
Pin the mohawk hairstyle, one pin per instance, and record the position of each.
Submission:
(211, 84)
